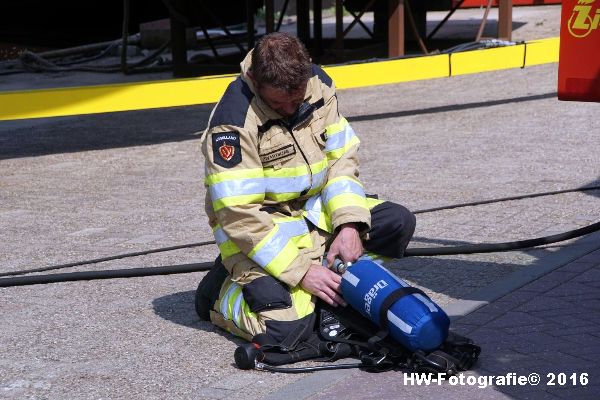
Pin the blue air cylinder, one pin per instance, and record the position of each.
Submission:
(413, 320)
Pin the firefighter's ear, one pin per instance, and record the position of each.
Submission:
(251, 76)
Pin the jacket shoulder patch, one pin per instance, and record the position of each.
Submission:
(227, 151)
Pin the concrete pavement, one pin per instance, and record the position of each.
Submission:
(83, 187)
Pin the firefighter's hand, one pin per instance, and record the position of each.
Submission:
(324, 284)
(347, 245)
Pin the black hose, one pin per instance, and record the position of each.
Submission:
(33, 62)
(300, 370)
(110, 258)
(186, 268)
(505, 246)
(411, 252)
(105, 274)
(503, 199)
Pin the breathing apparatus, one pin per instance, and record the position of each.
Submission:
(389, 324)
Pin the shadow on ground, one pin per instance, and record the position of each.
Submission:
(179, 309)
(30, 138)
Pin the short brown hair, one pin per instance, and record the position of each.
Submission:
(282, 61)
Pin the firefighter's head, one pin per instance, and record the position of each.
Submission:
(280, 71)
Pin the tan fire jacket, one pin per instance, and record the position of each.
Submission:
(266, 176)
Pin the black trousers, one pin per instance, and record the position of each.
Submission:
(392, 227)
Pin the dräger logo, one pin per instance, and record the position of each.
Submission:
(584, 19)
(372, 293)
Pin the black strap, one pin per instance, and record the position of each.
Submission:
(303, 114)
(392, 298)
(385, 306)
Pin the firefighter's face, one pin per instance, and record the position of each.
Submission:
(280, 101)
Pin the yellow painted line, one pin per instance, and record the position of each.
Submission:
(184, 92)
(110, 98)
(542, 51)
(385, 72)
(473, 62)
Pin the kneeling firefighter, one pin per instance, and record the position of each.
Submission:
(282, 189)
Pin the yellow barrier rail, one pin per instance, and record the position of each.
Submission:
(205, 90)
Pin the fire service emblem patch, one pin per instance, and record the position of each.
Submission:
(226, 149)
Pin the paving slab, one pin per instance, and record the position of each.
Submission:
(510, 350)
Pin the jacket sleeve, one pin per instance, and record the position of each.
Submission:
(236, 188)
(343, 195)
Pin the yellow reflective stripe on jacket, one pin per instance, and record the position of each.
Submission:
(283, 259)
(340, 138)
(238, 201)
(346, 200)
(372, 203)
(302, 301)
(343, 191)
(226, 247)
(275, 252)
(233, 175)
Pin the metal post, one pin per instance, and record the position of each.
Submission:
(318, 26)
(396, 28)
(339, 30)
(178, 44)
(270, 16)
(250, 22)
(303, 14)
(505, 19)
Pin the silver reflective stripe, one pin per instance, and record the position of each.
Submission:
(220, 236)
(427, 302)
(293, 228)
(339, 139)
(313, 208)
(318, 179)
(287, 184)
(237, 308)
(351, 278)
(403, 326)
(342, 186)
(237, 187)
(225, 300)
(271, 249)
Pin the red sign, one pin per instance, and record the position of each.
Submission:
(579, 58)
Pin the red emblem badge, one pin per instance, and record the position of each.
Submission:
(226, 151)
